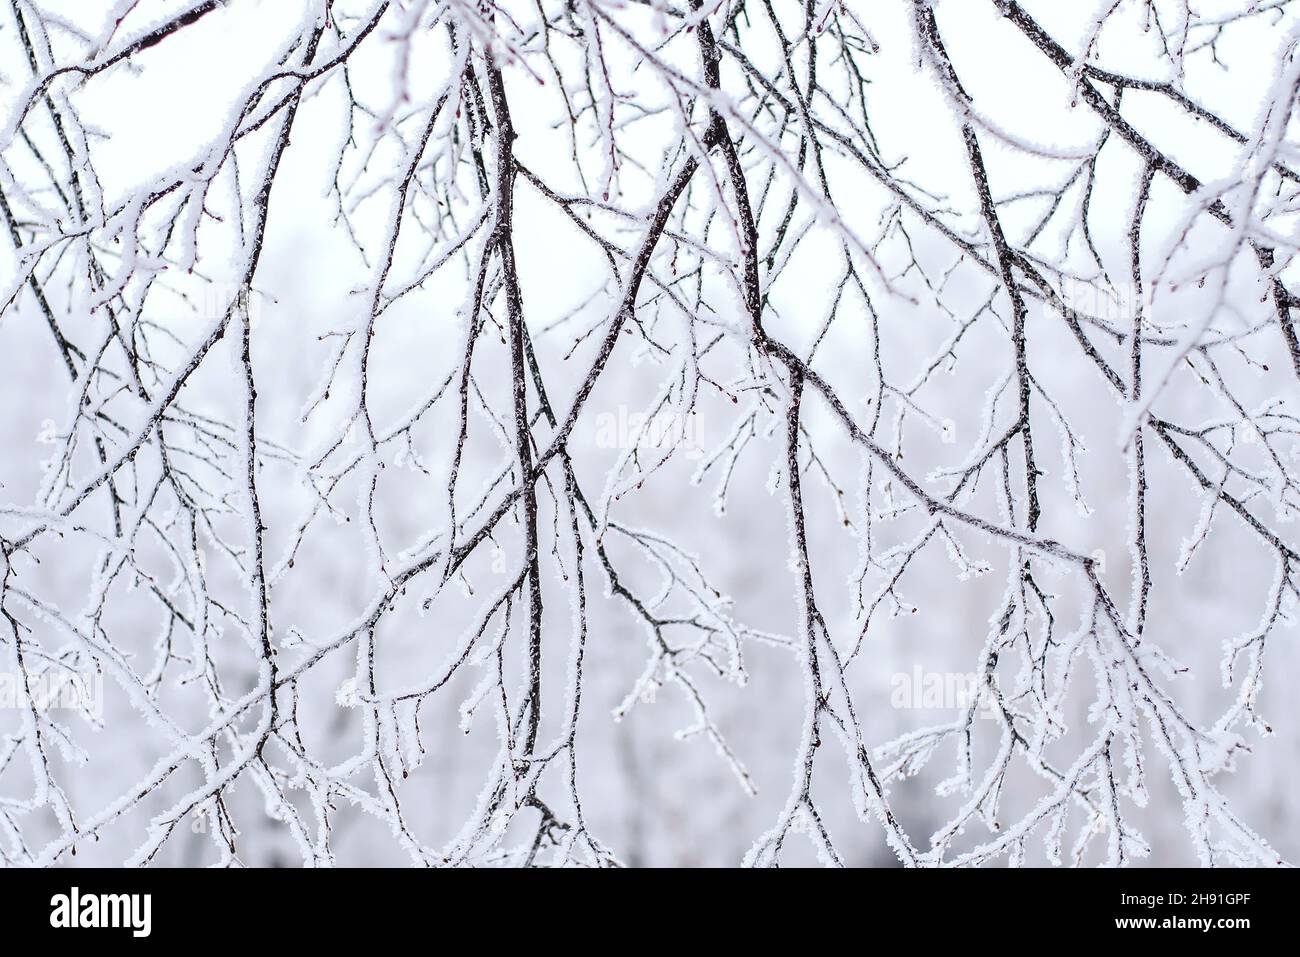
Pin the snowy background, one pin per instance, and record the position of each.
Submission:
(656, 791)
